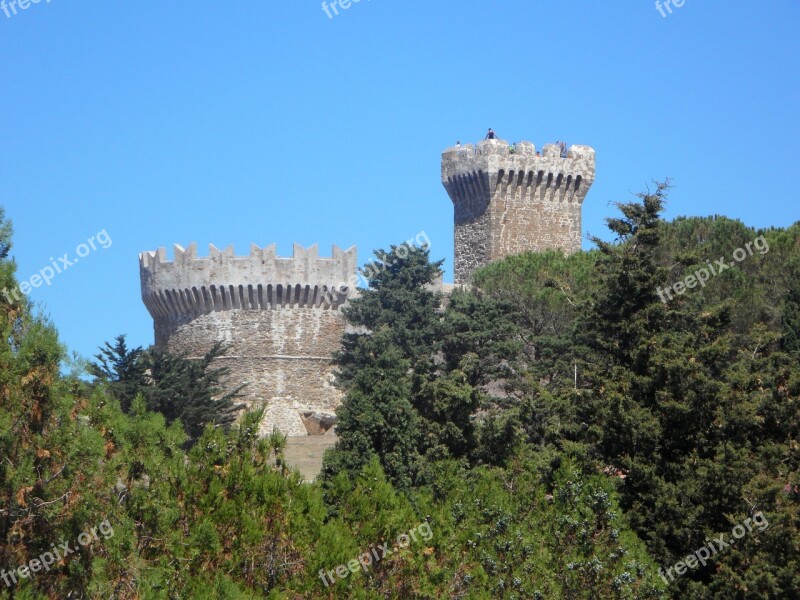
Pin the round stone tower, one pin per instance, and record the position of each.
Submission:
(509, 199)
(280, 319)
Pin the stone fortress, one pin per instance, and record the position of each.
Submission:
(281, 319)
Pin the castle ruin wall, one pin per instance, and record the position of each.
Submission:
(279, 318)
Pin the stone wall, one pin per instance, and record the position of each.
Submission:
(472, 219)
(284, 357)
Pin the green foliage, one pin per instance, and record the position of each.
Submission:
(178, 387)
(414, 373)
(692, 402)
(190, 390)
(377, 418)
(124, 370)
(558, 429)
(509, 536)
(384, 364)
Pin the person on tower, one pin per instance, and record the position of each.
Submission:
(491, 135)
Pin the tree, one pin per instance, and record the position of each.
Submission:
(50, 456)
(669, 398)
(383, 364)
(123, 369)
(189, 390)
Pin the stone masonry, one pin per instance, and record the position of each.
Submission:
(280, 319)
(508, 200)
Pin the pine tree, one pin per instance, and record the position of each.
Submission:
(122, 368)
(189, 390)
(382, 365)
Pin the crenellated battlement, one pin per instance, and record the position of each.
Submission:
(190, 285)
(496, 167)
(508, 199)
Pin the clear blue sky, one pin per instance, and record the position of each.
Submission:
(266, 121)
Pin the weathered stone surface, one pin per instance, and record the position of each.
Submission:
(280, 319)
(509, 200)
(305, 453)
(318, 423)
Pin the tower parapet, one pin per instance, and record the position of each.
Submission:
(279, 317)
(261, 281)
(510, 199)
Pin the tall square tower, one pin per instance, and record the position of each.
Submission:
(510, 199)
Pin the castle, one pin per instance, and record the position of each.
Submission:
(280, 318)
